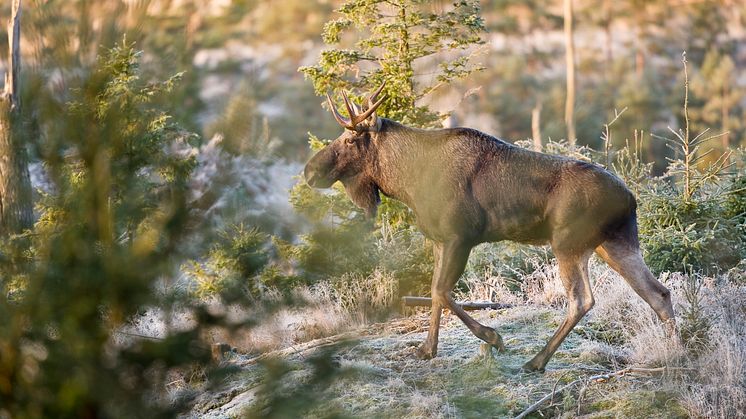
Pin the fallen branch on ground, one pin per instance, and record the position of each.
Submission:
(298, 349)
(597, 378)
(466, 305)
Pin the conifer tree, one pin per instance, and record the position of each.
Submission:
(415, 46)
(396, 42)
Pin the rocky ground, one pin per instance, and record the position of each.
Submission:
(377, 375)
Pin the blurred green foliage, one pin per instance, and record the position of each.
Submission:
(112, 231)
(234, 261)
(107, 234)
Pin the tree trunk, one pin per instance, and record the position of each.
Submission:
(536, 125)
(405, 56)
(15, 184)
(570, 62)
(640, 22)
(609, 42)
(725, 113)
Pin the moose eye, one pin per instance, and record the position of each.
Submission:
(350, 140)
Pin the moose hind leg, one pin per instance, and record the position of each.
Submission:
(574, 276)
(626, 259)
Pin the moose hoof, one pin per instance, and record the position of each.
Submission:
(493, 338)
(530, 366)
(425, 352)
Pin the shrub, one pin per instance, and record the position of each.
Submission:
(108, 232)
(695, 325)
(680, 235)
(690, 221)
(235, 260)
(735, 202)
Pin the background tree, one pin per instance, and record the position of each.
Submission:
(570, 71)
(15, 185)
(719, 96)
(416, 46)
(514, 84)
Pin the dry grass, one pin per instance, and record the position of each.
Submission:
(623, 330)
(718, 389)
(485, 287)
(361, 299)
(330, 307)
(713, 381)
(620, 331)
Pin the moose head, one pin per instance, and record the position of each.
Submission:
(347, 159)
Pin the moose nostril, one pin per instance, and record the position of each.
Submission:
(310, 176)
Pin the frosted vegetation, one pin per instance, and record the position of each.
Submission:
(178, 265)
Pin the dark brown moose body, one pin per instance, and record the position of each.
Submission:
(466, 187)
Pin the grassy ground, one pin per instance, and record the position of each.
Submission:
(382, 378)
(375, 372)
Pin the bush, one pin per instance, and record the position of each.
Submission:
(108, 232)
(735, 202)
(234, 261)
(681, 235)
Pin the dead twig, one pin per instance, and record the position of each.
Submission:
(597, 378)
(299, 349)
(554, 387)
(466, 305)
(137, 335)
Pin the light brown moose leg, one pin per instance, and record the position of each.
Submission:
(450, 260)
(574, 274)
(429, 347)
(626, 259)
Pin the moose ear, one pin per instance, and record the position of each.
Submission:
(364, 193)
(371, 124)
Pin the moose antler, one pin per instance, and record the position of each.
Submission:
(356, 118)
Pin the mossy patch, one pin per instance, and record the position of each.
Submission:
(479, 406)
(601, 332)
(636, 404)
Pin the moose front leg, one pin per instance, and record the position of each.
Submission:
(450, 261)
(429, 347)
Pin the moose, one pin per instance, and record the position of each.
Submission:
(466, 187)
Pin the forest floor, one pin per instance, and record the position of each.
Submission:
(379, 376)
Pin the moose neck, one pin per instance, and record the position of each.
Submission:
(400, 153)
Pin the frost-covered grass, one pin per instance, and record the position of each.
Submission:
(383, 378)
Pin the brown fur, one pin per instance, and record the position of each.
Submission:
(466, 187)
